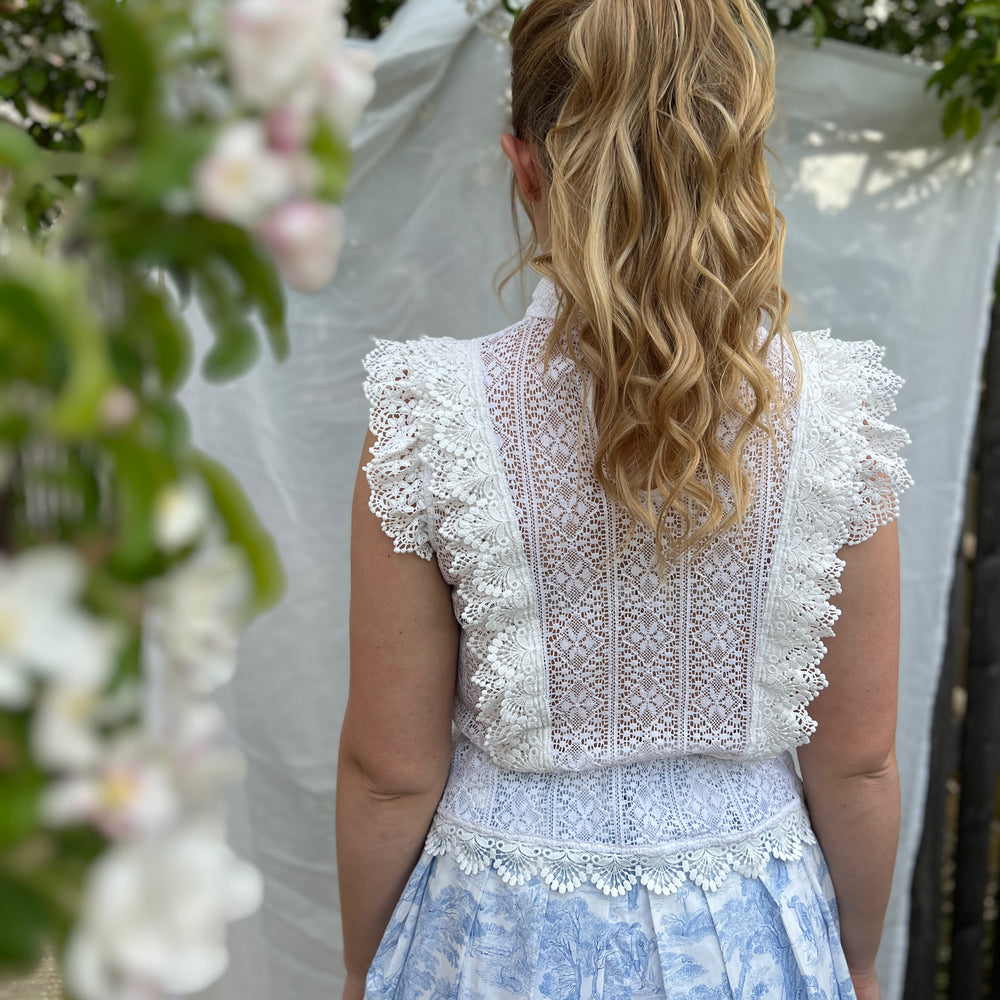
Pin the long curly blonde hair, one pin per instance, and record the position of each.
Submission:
(648, 119)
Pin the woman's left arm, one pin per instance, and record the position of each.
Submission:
(395, 747)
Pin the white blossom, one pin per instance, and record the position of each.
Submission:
(63, 732)
(197, 613)
(181, 513)
(242, 178)
(347, 84)
(275, 47)
(133, 791)
(43, 631)
(304, 238)
(155, 913)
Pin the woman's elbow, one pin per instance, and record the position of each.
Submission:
(392, 773)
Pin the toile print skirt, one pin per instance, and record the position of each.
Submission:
(455, 936)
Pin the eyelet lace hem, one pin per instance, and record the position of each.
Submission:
(564, 868)
(844, 480)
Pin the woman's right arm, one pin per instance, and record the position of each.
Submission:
(849, 766)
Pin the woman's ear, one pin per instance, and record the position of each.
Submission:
(522, 159)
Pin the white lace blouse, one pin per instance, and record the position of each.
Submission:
(615, 724)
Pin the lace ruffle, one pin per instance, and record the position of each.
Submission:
(435, 440)
(565, 868)
(394, 472)
(844, 480)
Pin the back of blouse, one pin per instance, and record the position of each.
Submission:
(617, 724)
(576, 651)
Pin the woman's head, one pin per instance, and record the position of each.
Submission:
(647, 120)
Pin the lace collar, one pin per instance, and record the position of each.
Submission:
(545, 301)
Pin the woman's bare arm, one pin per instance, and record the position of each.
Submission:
(849, 766)
(395, 747)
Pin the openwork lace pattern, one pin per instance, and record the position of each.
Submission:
(697, 818)
(844, 480)
(638, 663)
(438, 486)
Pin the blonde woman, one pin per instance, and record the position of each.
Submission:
(604, 563)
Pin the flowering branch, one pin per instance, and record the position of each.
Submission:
(130, 563)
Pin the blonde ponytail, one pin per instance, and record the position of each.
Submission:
(649, 118)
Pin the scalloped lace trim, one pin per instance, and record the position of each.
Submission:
(435, 443)
(394, 475)
(844, 480)
(564, 868)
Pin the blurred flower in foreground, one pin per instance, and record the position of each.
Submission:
(197, 613)
(301, 91)
(304, 240)
(181, 514)
(241, 178)
(155, 916)
(43, 631)
(347, 85)
(131, 793)
(274, 47)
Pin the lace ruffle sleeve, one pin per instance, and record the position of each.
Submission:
(852, 396)
(843, 481)
(394, 388)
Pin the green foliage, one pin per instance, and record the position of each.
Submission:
(963, 37)
(105, 245)
(369, 17)
(51, 71)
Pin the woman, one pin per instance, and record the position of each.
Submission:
(602, 545)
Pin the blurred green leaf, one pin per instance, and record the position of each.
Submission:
(334, 157)
(168, 162)
(819, 24)
(23, 925)
(139, 474)
(20, 792)
(173, 429)
(952, 118)
(34, 79)
(986, 9)
(17, 149)
(246, 531)
(236, 347)
(971, 121)
(259, 287)
(76, 410)
(153, 321)
(234, 352)
(128, 54)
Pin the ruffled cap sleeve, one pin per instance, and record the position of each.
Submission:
(395, 391)
(853, 395)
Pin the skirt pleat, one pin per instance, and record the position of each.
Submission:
(456, 936)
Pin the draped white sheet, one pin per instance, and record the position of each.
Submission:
(892, 235)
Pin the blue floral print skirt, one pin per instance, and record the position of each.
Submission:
(455, 936)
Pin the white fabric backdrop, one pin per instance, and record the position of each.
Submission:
(892, 235)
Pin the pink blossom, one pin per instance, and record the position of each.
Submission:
(288, 127)
(304, 239)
